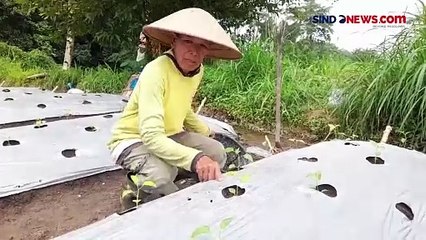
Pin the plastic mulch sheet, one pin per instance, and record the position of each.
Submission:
(331, 190)
(40, 147)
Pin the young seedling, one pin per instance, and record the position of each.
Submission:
(331, 128)
(136, 180)
(316, 176)
(206, 230)
(237, 152)
(377, 152)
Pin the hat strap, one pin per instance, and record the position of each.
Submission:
(189, 74)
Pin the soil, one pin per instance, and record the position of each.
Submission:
(53, 211)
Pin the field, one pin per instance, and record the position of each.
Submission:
(327, 93)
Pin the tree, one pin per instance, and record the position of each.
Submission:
(69, 18)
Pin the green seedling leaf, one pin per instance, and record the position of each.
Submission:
(229, 149)
(200, 231)
(231, 190)
(149, 184)
(232, 165)
(231, 173)
(316, 176)
(237, 151)
(301, 141)
(248, 157)
(225, 223)
(134, 179)
(245, 178)
(137, 201)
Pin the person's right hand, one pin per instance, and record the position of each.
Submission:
(207, 169)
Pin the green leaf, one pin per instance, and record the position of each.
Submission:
(229, 149)
(231, 173)
(231, 190)
(245, 178)
(149, 184)
(315, 175)
(200, 231)
(225, 223)
(248, 157)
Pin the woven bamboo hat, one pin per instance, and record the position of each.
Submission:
(198, 23)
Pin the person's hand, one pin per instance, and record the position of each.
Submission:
(208, 169)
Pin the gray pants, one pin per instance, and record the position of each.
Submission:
(149, 167)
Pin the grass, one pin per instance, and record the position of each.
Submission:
(392, 92)
(245, 89)
(18, 65)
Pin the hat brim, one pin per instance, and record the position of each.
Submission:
(216, 50)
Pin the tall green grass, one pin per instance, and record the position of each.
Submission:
(392, 92)
(17, 66)
(246, 88)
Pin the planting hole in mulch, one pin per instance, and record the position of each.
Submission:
(8, 99)
(8, 143)
(327, 189)
(125, 100)
(69, 153)
(108, 116)
(91, 129)
(405, 209)
(87, 102)
(40, 126)
(56, 96)
(6, 90)
(233, 191)
(352, 144)
(312, 159)
(98, 95)
(28, 93)
(41, 106)
(375, 160)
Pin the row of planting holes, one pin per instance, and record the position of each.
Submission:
(67, 152)
(331, 191)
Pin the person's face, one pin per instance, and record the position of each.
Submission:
(189, 52)
(142, 40)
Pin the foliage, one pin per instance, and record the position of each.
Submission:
(17, 65)
(28, 60)
(21, 30)
(245, 88)
(392, 92)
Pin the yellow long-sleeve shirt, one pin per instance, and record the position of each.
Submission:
(160, 106)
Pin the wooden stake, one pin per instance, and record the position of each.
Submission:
(278, 87)
(201, 105)
(386, 133)
(55, 89)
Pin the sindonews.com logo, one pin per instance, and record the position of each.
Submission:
(360, 19)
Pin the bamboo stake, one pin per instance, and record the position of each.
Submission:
(201, 105)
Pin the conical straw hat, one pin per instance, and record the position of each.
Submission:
(198, 23)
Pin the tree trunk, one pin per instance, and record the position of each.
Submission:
(69, 49)
(278, 87)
